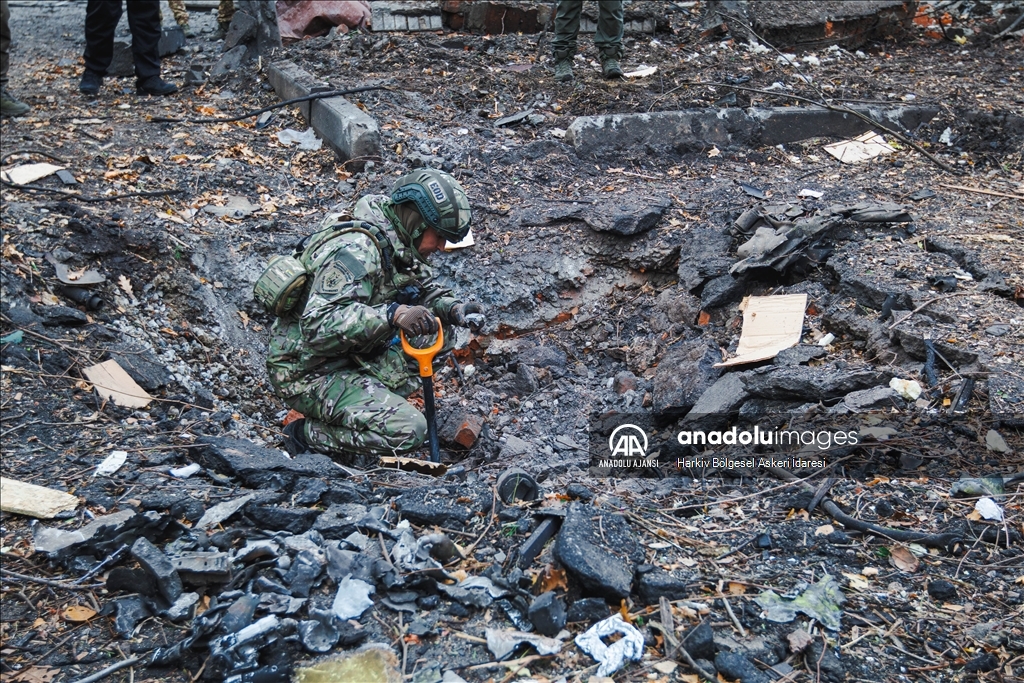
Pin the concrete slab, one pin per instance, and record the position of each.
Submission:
(406, 16)
(353, 134)
(696, 130)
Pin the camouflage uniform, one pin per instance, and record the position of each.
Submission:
(225, 11)
(335, 358)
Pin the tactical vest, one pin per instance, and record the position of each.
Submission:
(283, 283)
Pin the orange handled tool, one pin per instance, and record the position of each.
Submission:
(425, 358)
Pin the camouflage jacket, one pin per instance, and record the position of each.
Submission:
(341, 321)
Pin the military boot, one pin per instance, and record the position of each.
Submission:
(12, 106)
(295, 438)
(563, 67)
(610, 67)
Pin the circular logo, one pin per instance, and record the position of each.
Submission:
(629, 441)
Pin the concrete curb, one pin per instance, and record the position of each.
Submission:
(348, 130)
(695, 130)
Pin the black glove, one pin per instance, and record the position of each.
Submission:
(468, 315)
(414, 320)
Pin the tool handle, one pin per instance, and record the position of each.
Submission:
(425, 357)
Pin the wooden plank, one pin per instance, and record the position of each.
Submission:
(113, 383)
(23, 498)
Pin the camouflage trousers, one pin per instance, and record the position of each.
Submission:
(355, 418)
(225, 10)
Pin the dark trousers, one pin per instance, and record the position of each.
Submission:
(101, 17)
(607, 39)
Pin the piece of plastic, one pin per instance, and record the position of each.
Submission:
(821, 601)
(989, 509)
(186, 471)
(112, 463)
(307, 140)
(502, 642)
(611, 657)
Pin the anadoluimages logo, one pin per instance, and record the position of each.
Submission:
(625, 442)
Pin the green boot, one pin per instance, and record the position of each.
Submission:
(610, 68)
(11, 106)
(563, 69)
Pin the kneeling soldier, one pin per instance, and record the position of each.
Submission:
(341, 299)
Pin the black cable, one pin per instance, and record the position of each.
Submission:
(257, 112)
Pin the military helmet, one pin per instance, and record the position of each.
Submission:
(439, 199)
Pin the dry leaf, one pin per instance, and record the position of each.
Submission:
(714, 152)
(689, 678)
(126, 285)
(799, 640)
(76, 274)
(665, 667)
(36, 674)
(857, 582)
(553, 578)
(869, 571)
(245, 318)
(79, 613)
(824, 530)
(904, 560)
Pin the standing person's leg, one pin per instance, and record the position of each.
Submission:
(101, 17)
(567, 26)
(179, 12)
(608, 39)
(225, 12)
(9, 106)
(180, 16)
(144, 22)
(5, 42)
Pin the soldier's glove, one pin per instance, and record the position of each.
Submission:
(468, 315)
(414, 320)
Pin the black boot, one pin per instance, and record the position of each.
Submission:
(295, 437)
(90, 83)
(154, 85)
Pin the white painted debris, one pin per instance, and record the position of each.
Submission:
(989, 510)
(995, 442)
(112, 463)
(770, 324)
(466, 241)
(827, 339)
(909, 389)
(757, 48)
(642, 72)
(113, 383)
(31, 500)
(947, 137)
(353, 598)
(186, 471)
(611, 658)
(811, 60)
(502, 642)
(808, 192)
(861, 148)
(29, 173)
(307, 140)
